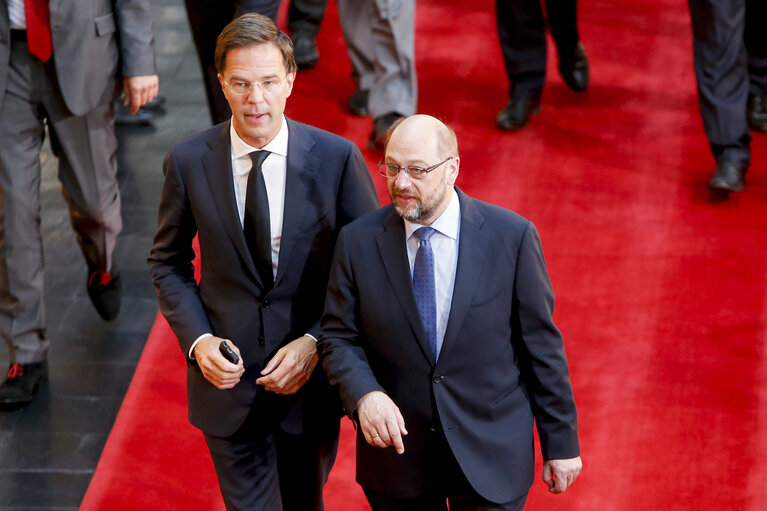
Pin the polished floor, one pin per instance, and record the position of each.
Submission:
(49, 450)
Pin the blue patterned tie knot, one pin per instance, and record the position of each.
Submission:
(423, 285)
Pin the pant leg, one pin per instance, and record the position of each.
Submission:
(304, 463)
(395, 87)
(305, 17)
(522, 34)
(22, 307)
(269, 8)
(563, 24)
(755, 36)
(206, 20)
(355, 17)
(722, 77)
(246, 466)
(86, 148)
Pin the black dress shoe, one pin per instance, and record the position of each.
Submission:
(515, 114)
(305, 52)
(22, 384)
(729, 177)
(380, 126)
(358, 103)
(104, 291)
(575, 69)
(756, 111)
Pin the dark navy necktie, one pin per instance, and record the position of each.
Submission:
(423, 286)
(256, 224)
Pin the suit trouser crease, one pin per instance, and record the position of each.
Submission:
(522, 35)
(380, 39)
(721, 70)
(262, 468)
(85, 147)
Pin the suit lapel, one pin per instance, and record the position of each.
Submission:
(217, 164)
(472, 251)
(393, 249)
(300, 181)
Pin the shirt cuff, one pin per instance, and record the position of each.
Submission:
(310, 335)
(191, 350)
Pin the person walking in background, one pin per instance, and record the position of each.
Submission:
(61, 65)
(304, 19)
(522, 34)
(267, 196)
(438, 335)
(380, 40)
(730, 54)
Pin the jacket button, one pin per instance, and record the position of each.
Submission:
(267, 303)
(438, 379)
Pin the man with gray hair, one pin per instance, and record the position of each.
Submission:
(438, 334)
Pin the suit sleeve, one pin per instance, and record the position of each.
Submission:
(542, 358)
(356, 196)
(170, 261)
(341, 355)
(136, 39)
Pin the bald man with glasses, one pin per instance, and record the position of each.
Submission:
(438, 335)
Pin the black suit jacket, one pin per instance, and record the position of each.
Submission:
(327, 186)
(501, 364)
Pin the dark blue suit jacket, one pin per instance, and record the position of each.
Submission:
(501, 364)
(327, 186)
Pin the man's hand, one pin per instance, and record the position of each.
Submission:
(215, 368)
(560, 474)
(381, 421)
(290, 367)
(140, 90)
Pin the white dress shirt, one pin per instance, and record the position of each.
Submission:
(17, 15)
(274, 169)
(444, 244)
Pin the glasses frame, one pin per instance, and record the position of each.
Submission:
(260, 85)
(412, 171)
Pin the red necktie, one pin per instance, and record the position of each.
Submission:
(39, 28)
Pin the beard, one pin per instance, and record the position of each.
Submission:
(423, 208)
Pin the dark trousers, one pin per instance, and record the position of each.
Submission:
(305, 17)
(522, 34)
(206, 20)
(445, 482)
(730, 51)
(262, 468)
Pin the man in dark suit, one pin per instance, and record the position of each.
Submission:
(266, 197)
(522, 34)
(730, 50)
(438, 334)
(61, 65)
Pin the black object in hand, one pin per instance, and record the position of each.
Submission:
(228, 352)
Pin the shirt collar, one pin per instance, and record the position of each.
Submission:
(446, 224)
(278, 145)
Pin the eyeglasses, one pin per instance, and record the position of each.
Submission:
(242, 88)
(391, 170)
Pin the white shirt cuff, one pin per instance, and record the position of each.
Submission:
(191, 350)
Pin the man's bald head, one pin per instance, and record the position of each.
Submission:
(421, 126)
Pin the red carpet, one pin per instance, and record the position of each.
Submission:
(662, 292)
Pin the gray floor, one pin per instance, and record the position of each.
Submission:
(49, 450)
